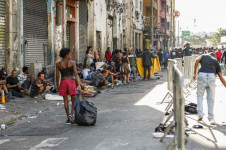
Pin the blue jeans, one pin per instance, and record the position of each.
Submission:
(206, 82)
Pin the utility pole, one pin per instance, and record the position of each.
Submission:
(165, 26)
(64, 25)
(178, 34)
(174, 26)
(152, 25)
(171, 25)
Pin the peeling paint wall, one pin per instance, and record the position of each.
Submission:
(12, 34)
(100, 16)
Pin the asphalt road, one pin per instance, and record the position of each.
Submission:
(123, 123)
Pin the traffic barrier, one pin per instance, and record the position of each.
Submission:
(171, 63)
(178, 110)
(189, 62)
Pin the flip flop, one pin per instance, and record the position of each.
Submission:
(198, 126)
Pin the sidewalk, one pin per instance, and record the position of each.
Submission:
(23, 107)
(210, 137)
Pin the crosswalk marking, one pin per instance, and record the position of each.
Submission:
(50, 142)
(3, 141)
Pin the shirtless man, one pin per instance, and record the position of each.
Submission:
(96, 55)
(109, 76)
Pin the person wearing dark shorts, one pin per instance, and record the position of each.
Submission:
(67, 68)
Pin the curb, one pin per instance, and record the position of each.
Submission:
(12, 118)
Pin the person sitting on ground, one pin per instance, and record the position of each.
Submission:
(92, 67)
(24, 80)
(113, 68)
(3, 86)
(109, 76)
(14, 86)
(98, 80)
(85, 72)
(39, 86)
(85, 93)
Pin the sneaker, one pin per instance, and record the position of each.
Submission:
(68, 121)
(212, 122)
(200, 118)
(70, 117)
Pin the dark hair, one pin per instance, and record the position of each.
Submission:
(213, 55)
(125, 49)
(93, 64)
(103, 71)
(87, 51)
(64, 52)
(40, 73)
(25, 68)
(116, 51)
(124, 53)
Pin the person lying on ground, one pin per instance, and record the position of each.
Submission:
(39, 86)
(14, 86)
(109, 76)
(85, 93)
(24, 80)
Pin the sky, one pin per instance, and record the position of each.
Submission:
(210, 15)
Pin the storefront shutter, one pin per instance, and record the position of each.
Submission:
(2, 33)
(35, 27)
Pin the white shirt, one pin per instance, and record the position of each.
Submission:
(22, 77)
(85, 72)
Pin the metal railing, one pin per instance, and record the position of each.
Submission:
(178, 109)
(178, 101)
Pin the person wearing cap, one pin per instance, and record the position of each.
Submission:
(187, 51)
(146, 56)
(173, 54)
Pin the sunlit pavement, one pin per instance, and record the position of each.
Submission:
(210, 137)
(127, 117)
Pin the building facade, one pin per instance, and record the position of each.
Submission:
(34, 31)
(159, 24)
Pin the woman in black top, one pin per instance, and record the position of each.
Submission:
(68, 70)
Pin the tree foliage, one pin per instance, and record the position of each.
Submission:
(216, 39)
(195, 40)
